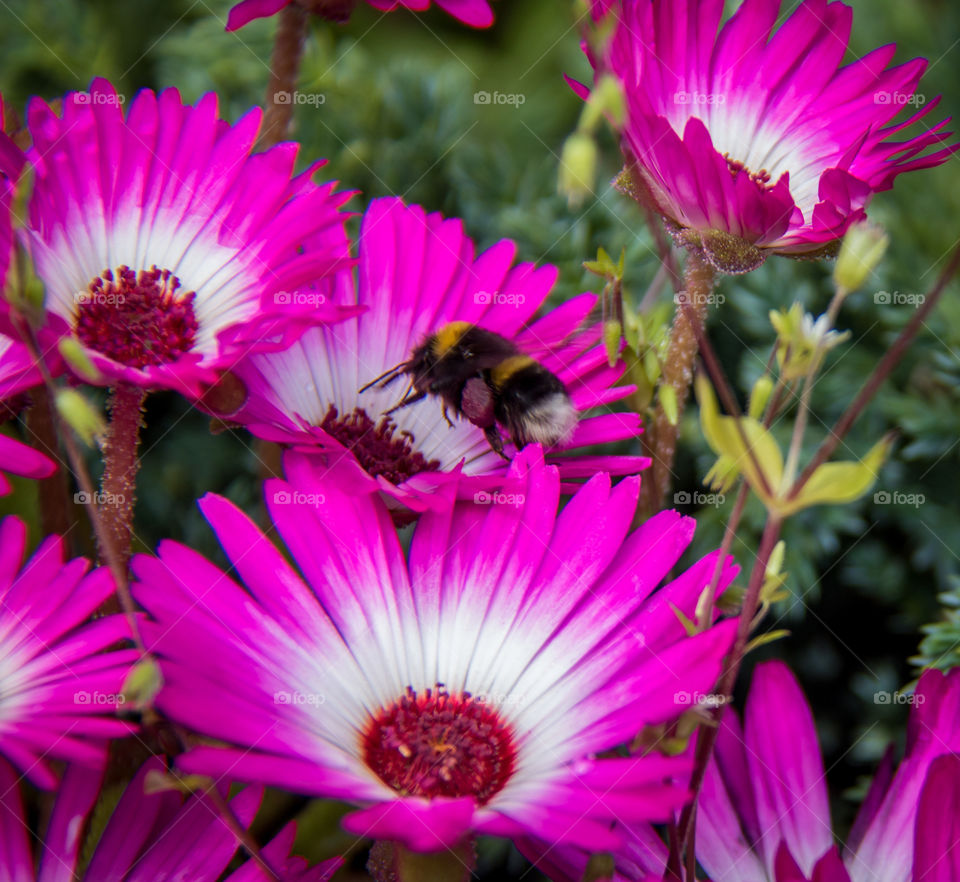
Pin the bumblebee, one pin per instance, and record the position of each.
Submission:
(486, 379)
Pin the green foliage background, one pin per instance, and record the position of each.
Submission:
(399, 117)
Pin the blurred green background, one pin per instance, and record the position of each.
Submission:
(399, 117)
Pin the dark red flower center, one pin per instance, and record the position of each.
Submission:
(137, 319)
(760, 178)
(436, 744)
(378, 447)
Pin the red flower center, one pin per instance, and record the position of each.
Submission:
(760, 178)
(378, 447)
(436, 744)
(137, 319)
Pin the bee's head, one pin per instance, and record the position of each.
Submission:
(429, 355)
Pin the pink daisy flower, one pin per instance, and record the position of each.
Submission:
(416, 273)
(148, 837)
(476, 13)
(18, 373)
(755, 139)
(60, 685)
(465, 689)
(764, 811)
(165, 246)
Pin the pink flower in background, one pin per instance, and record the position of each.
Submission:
(11, 164)
(467, 688)
(17, 374)
(60, 683)
(476, 13)
(149, 837)
(416, 273)
(754, 139)
(764, 812)
(165, 246)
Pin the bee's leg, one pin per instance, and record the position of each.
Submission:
(495, 440)
(407, 399)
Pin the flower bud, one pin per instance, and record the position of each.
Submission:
(578, 168)
(80, 415)
(862, 250)
(73, 353)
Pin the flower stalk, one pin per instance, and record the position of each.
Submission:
(120, 464)
(284, 74)
(677, 376)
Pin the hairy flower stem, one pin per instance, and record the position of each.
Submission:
(56, 509)
(678, 375)
(110, 552)
(708, 734)
(120, 466)
(284, 74)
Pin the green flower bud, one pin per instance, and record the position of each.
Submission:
(862, 250)
(578, 168)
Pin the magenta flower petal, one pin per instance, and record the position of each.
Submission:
(61, 681)
(526, 627)
(417, 272)
(164, 245)
(476, 13)
(786, 767)
(937, 854)
(760, 131)
(765, 789)
(148, 836)
(11, 164)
